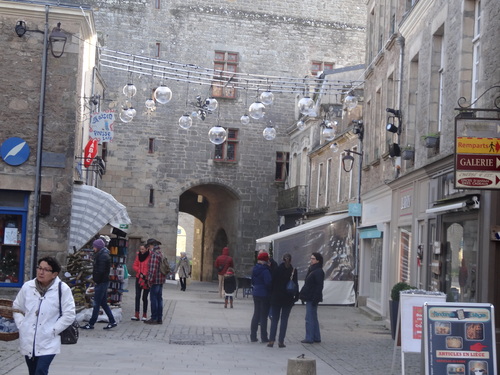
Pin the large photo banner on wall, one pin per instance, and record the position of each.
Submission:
(332, 237)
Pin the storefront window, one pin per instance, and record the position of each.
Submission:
(460, 259)
(13, 211)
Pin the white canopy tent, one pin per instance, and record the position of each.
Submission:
(333, 237)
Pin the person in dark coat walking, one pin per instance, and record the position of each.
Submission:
(281, 301)
(312, 294)
(100, 275)
(261, 290)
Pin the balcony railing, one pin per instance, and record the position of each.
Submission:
(292, 198)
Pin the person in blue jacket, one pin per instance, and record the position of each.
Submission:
(312, 294)
(261, 291)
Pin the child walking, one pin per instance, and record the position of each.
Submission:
(229, 287)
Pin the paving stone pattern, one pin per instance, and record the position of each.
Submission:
(200, 336)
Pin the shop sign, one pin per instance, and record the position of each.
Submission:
(90, 152)
(477, 154)
(459, 338)
(101, 126)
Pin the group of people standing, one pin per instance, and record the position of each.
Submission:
(273, 299)
(149, 280)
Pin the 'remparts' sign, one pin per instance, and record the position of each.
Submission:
(101, 126)
(477, 154)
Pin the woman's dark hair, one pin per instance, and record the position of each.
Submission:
(52, 262)
(318, 257)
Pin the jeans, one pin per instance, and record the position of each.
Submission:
(260, 314)
(39, 365)
(312, 323)
(276, 311)
(101, 300)
(156, 297)
(145, 294)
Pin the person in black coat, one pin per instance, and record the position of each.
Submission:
(312, 294)
(100, 275)
(281, 301)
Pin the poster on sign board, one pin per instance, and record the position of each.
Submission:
(412, 306)
(459, 339)
(101, 126)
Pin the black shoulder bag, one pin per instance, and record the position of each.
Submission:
(70, 334)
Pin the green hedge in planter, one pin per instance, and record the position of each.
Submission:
(398, 288)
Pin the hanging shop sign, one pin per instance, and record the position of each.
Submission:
(15, 151)
(90, 152)
(459, 338)
(477, 154)
(101, 126)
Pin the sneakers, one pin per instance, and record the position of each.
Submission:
(144, 318)
(135, 317)
(110, 325)
(87, 326)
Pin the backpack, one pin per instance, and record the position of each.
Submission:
(164, 266)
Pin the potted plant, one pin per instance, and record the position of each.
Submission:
(408, 153)
(394, 304)
(431, 140)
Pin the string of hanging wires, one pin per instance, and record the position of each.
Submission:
(136, 64)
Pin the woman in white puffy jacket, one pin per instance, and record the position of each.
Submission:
(40, 323)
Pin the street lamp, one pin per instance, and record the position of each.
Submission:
(55, 38)
(347, 165)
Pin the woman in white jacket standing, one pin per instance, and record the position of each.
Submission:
(40, 323)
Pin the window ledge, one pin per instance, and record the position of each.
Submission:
(226, 161)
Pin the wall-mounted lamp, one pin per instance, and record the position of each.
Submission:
(394, 150)
(391, 128)
(21, 28)
(348, 160)
(57, 38)
(358, 128)
(395, 112)
(57, 41)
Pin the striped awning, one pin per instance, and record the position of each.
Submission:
(92, 209)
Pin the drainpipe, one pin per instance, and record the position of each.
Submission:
(38, 173)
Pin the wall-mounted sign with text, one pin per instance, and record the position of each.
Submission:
(101, 126)
(459, 338)
(477, 154)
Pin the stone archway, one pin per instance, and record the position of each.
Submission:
(216, 209)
